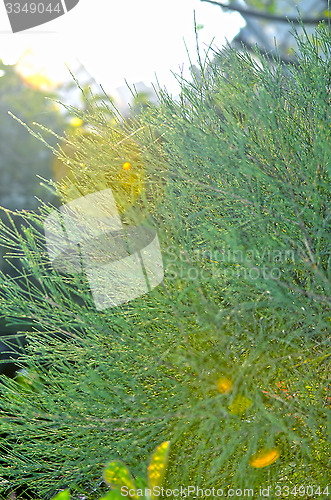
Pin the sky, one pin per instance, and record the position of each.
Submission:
(133, 40)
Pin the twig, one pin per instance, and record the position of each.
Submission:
(270, 17)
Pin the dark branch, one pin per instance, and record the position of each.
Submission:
(269, 17)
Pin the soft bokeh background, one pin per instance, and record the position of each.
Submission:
(127, 39)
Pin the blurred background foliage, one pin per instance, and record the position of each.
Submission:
(22, 157)
(268, 27)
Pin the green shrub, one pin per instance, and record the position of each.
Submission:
(229, 358)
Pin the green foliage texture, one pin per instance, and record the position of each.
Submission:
(236, 181)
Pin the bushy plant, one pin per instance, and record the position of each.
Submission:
(229, 357)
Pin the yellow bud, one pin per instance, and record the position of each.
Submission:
(264, 457)
(76, 122)
(224, 385)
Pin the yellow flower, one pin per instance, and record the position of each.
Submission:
(126, 166)
(264, 457)
(224, 385)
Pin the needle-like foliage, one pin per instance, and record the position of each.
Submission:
(229, 357)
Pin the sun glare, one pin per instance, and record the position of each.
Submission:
(41, 69)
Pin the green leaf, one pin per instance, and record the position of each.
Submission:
(141, 483)
(158, 465)
(63, 495)
(113, 495)
(117, 475)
